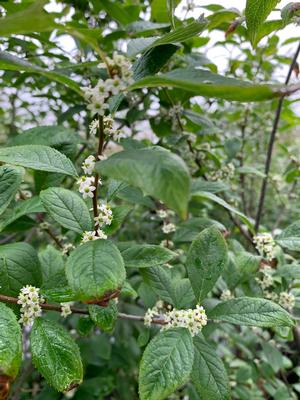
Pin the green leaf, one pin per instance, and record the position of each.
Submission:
(175, 291)
(256, 13)
(156, 171)
(67, 208)
(188, 230)
(251, 311)
(95, 269)
(166, 364)
(42, 158)
(21, 208)
(289, 238)
(146, 255)
(250, 170)
(104, 317)
(53, 268)
(159, 10)
(144, 26)
(10, 342)
(55, 355)
(32, 19)
(209, 84)
(12, 63)
(223, 203)
(10, 180)
(62, 139)
(19, 266)
(209, 374)
(206, 260)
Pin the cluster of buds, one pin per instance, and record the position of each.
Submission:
(105, 215)
(226, 295)
(175, 114)
(108, 128)
(193, 319)
(164, 214)
(286, 300)
(120, 71)
(265, 244)
(266, 280)
(223, 174)
(30, 300)
(67, 247)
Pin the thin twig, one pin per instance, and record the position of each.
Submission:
(272, 141)
(82, 311)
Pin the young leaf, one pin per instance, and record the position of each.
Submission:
(42, 158)
(67, 208)
(104, 317)
(251, 311)
(156, 171)
(166, 364)
(256, 13)
(209, 84)
(289, 238)
(209, 374)
(53, 268)
(10, 342)
(146, 255)
(10, 180)
(95, 269)
(206, 260)
(19, 266)
(55, 355)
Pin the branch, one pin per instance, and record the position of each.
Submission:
(273, 137)
(82, 311)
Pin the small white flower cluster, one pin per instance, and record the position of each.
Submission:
(224, 173)
(265, 244)
(167, 243)
(30, 300)
(168, 228)
(88, 165)
(287, 300)
(105, 215)
(86, 186)
(165, 215)
(226, 295)
(92, 235)
(193, 319)
(108, 125)
(67, 247)
(267, 280)
(66, 309)
(121, 76)
(175, 114)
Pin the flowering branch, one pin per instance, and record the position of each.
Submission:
(75, 310)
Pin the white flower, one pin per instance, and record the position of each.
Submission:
(162, 214)
(193, 319)
(30, 300)
(226, 295)
(65, 309)
(105, 215)
(92, 235)
(94, 126)
(67, 247)
(87, 191)
(167, 243)
(168, 228)
(89, 165)
(265, 244)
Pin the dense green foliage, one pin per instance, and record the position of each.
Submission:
(149, 219)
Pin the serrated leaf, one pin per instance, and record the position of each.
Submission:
(10, 342)
(156, 171)
(206, 260)
(188, 230)
(62, 139)
(166, 364)
(175, 291)
(67, 208)
(209, 374)
(95, 269)
(146, 255)
(22, 208)
(55, 355)
(52, 268)
(10, 180)
(256, 13)
(209, 84)
(11, 62)
(42, 158)
(19, 266)
(251, 311)
(104, 317)
(289, 238)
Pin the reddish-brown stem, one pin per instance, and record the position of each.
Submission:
(82, 311)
